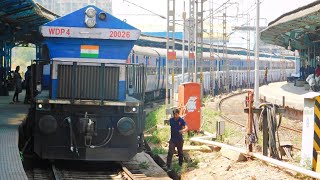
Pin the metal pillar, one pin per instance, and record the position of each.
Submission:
(2, 70)
(191, 39)
(212, 72)
(38, 51)
(200, 36)
(170, 47)
(224, 26)
(5, 52)
(248, 52)
(256, 83)
(183, 38)
(199, 40)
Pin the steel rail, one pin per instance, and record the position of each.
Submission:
(242, 125)
(55, 172)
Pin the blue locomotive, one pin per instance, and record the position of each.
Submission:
(89, 101)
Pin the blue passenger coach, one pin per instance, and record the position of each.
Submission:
(93, 108)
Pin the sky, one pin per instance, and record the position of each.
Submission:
(269, 10)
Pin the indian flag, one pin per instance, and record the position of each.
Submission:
(89, 51)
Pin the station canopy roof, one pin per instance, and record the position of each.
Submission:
(20, 20)
(300, 27)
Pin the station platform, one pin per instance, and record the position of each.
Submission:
(11, 116)
(294, 96)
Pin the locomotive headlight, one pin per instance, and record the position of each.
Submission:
(47, 124)
(90, 22)
(40, 106)
(102, 15)
(130, 109)
(126, 126)
(91, 12)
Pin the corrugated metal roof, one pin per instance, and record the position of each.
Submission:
(20, 20)
(300, 26)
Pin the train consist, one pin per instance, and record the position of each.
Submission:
(93, 108)
(241, 70)
(92, 82)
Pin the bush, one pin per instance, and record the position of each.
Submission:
(157, 151)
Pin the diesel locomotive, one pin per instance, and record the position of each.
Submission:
(88, 101)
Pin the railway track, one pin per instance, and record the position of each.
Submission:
(63, 170)
(243, 125)
(225, 117)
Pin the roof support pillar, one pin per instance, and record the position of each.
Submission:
(5, 67)
(38, 52)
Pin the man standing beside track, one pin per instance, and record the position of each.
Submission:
(178, 127)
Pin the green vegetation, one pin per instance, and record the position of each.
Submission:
(207, 98)
(208, 117)
(160, 135)
(301, 176)
(21, 156)
(191, 163)
(144, 165)
(155, 117)
(229, 133)
(296, 157)
(160, 150)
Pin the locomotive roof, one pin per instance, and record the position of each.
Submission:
(89, 33)
(75, 19)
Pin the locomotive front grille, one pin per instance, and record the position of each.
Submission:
(88, 82)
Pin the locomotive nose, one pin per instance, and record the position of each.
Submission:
(48, 124)
(126, 126)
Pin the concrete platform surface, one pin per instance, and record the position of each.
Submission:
(11, 115)
(294, 96)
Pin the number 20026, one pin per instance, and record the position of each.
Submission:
(120, 34)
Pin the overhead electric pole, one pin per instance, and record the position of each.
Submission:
(198, 38)
(212, 73)
(191, 39)
(171, 55)
(256, 82)
(183, 39)
(225, 54)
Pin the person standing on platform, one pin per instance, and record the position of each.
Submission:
(265, 80)
(318, 70)
(308, 70)
(17, 84)
(302, 72)
(178, 127)
(27, 80)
